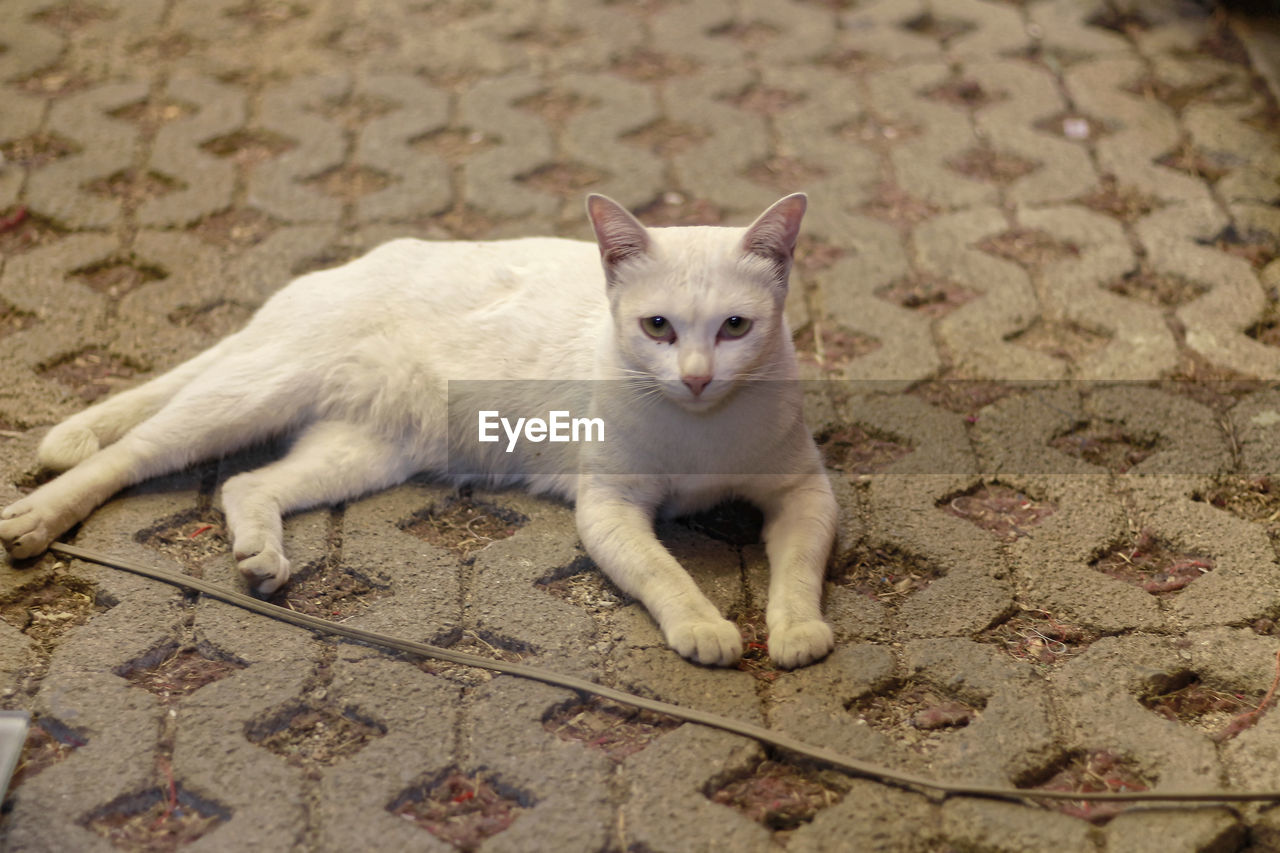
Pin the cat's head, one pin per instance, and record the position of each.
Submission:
(698, 308)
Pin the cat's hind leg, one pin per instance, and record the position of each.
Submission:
(224, 409)
(330, 462)
(85, 433)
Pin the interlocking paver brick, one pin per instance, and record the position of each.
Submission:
(177, 150)
(75, 191)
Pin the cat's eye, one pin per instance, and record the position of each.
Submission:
(734, 327)
(658, 328)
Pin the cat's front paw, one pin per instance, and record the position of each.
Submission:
(25, 530)
(715, 642)
(266, 571)
(800, 644)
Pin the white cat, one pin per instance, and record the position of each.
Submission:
(686, 361)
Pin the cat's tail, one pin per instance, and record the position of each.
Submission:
(85, 433)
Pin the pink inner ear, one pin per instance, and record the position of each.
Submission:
(619, 234)
(774, 234)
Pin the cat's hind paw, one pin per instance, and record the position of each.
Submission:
(25, 531)
(800, 644)
(66, 446)
(715, 642)
(266, 571)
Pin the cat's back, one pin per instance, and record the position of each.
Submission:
(461, 276)
(528, 308)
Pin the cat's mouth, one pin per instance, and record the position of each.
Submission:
(707, 398)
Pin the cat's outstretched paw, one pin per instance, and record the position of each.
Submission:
(25, 530)
(711, 641)
(266, 571)
(800, 644)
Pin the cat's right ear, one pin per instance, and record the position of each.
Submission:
(619, 234)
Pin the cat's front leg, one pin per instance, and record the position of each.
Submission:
(618, 534)
(799, 527)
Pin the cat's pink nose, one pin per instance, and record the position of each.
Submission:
(696, 383)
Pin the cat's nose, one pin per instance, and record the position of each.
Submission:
(696, 383)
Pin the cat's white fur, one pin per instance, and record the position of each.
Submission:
(353, 361)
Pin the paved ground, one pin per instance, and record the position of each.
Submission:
(1067, 584)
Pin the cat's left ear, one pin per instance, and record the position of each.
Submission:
(773, 235)
(619, 234)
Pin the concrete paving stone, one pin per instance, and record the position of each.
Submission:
(670, 811)
(736, 139)
(1063, 27)
(873, 818)
(1239, 589)
(1097, 700)
(422, 601)
(1250, 156)
(972, 586)
(1013, 730)
(991, 30)
(419, 184)
(29, 47)
(113, 527)
(809, 131)
(278, 187)
(1256, 421)
(104, 40)
(418, 711)
(978, 333)
(796, 31)
(69, 318)
(945, 132)
(20, 116)
(192, 275)
(1191, 441)
(690, 30)
(1139, 344)
(213, 758)
(1052, 564)
(119, 730)
(659, 673)
(1141, 129)
(480, 41)
(207, 182)
(812, 703)
(16, 652)
(1176, 239)
(563, 37)
(1008, 828)
(847, 297)
(937, 438)
(1159, 831)
(230, 37)
(594, 136)
(504, 599)
(490, 178)
(260, 271)
(880, 29)
(73, 191)
(563, 780)
(1028, 96)
(1252, 760)
(1167, 29)
(1187, 439)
